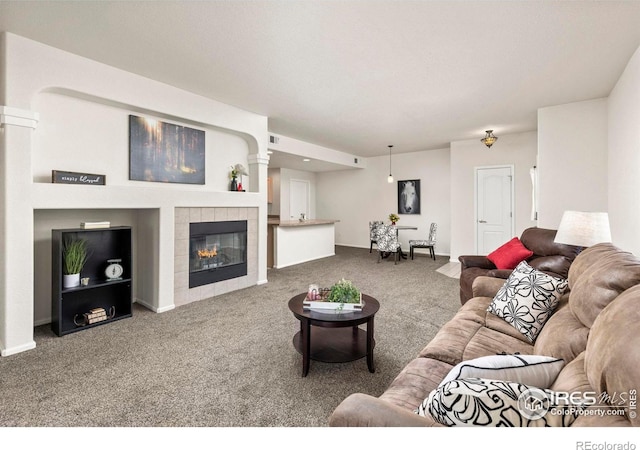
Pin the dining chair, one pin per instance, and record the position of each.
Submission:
(387, 241)
(373, 229)
(429, 243)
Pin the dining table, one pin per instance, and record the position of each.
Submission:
(403, 255)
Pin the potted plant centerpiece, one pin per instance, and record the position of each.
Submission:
(393, 217)
(344, 292)
(341, 296)
(74, 256)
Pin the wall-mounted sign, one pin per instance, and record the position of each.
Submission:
(58, 176)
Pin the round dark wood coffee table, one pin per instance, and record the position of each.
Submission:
(332, 341)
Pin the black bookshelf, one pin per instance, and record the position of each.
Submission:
(68, 305)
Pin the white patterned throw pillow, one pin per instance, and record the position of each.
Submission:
(527, 299)
(535, 370)
(495, 403)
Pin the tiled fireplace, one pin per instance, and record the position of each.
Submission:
(216, 251)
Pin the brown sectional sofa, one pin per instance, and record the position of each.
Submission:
(548, 256)
(595, 329)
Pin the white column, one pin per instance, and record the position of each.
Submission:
(16, 231)
(258, 165)
(164, 268)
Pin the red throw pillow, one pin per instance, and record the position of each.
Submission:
(509, 255)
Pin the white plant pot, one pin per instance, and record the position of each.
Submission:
(69, 281)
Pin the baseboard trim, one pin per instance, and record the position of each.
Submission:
(304, 261)
(153, 308)
(416, 251)
(18, 349)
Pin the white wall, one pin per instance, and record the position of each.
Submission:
(518, 150)
(355, 197)
(274, 208)
(572, 160)
(624, 157)
(83, 135)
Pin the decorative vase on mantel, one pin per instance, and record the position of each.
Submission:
(234, 184)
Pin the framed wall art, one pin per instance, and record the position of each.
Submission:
(165, 152)
(409, 197)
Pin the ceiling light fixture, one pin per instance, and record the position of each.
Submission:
(306, 160)
(489, 138)
(390, 177)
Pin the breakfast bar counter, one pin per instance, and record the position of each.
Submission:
(294, 241)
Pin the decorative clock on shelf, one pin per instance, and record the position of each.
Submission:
(114, 269)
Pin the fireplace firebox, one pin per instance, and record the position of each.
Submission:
(217, 251)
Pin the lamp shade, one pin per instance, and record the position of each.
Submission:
(583, 229)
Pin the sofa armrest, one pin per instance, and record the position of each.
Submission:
(475, 261)
(486, 286)
(362, 410)
(500, 273)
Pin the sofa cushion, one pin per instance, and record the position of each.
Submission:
(486, 341)
(509, 255)
(474, 332)
(598, 275)
(535, 370)
(611, 361)
(573, 379)
(419, 377)
(527, 299)
(482, 402)
(563, 336)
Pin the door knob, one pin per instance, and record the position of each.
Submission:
(482, 221)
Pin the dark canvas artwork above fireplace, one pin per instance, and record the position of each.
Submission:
(217, 251)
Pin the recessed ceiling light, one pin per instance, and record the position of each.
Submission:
(306, 160)
(269, 152)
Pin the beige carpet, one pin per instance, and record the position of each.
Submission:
(227, 361)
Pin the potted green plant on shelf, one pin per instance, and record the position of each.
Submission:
(74, 257)
(394, 218)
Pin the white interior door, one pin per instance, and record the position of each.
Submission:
(299, 198)
(494, 202)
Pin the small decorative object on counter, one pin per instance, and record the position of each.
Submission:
(393, 218)
(302, 217)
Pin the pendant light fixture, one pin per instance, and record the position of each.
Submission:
(390, 177)
(489, 138)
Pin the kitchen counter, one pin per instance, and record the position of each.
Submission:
(297, 223)
(293, 242)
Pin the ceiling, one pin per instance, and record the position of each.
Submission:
(352, 75)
